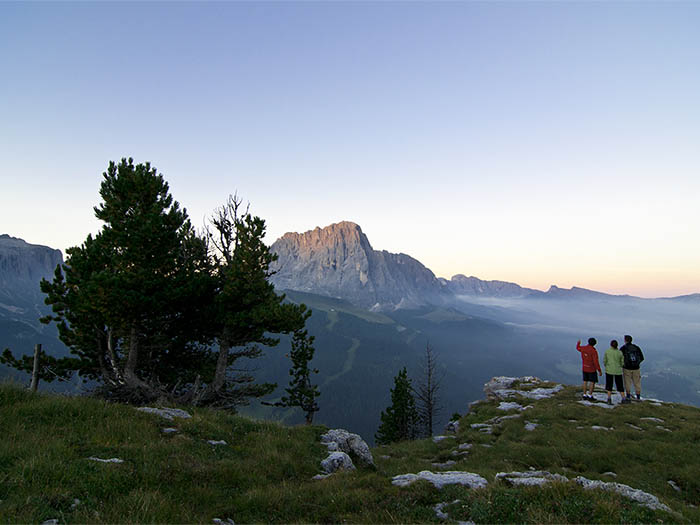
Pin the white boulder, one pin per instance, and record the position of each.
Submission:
(344, 441)
(440, 479)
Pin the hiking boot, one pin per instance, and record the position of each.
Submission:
(625, 401)
(609, 401)
(639, 397)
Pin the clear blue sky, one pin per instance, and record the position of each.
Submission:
(535, 142)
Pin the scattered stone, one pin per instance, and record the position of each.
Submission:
(482, 427)
(674, 486)
(337, 461)
(349, 443)
(594, 404)
(169, 430)
(573, 420)
(225, 521)
(663, 428)
(657, 404)
(440, 479)
(500, 419)
(437, 439)
(457, 453)
(509, 405)
(452, 426)
(215, 443)
(611, 474)
(634, 426)
(111, 460)
(446, 464)
(385, 457)
(321, 476)
(597, 427)
(464, 446)
(534, 478)
(654, 419)
(167, 413)
(439, 513)
(530, 426)
(75, 504)
(53, 521)
(641, 497)
(485, 445)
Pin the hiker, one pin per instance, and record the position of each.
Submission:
(630, 369)
(589, 355)
(613, 360)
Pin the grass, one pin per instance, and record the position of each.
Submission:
(264, 472)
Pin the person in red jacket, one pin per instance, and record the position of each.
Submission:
(589, 355)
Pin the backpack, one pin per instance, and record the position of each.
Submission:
(633, 357)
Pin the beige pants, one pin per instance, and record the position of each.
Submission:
(632, 377)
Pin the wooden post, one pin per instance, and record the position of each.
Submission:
(35, 371)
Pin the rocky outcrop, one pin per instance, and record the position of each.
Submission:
(339, 261)
(352, 444)
(503, 387)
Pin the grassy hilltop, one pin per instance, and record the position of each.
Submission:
(263, 472)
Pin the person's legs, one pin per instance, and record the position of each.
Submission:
(637, 376)
(608, 384)
(628, 381)
(619, 385)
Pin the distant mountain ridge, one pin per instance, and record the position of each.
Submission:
(339, 261)
(22, 266)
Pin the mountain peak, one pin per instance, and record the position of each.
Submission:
(339, 261)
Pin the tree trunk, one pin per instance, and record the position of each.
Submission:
(221, 365)
(130, 376)
(35, 371)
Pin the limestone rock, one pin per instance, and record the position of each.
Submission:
(508, 405)
(344, 441)
(215, 443)
(110, 460)
(167, 413)
(440, 479)
(501, 387)
(452, 426)
(337, 461)
(437, 439)
(529, 478)
(641, 497)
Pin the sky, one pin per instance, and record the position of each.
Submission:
(533, 142)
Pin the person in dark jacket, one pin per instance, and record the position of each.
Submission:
(589, 356)
(633, 357)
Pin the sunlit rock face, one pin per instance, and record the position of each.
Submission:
(339, 261)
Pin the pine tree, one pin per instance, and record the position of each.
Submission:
(427, 392)
(399, 420)
(301, 393)
(141, 303)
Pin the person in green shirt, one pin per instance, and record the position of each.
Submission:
(613, 361)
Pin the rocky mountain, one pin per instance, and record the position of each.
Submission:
(339, 261)
(473, 286)
(22, 266)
